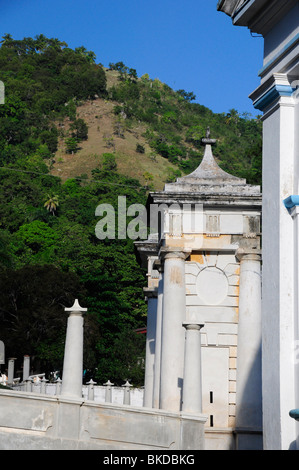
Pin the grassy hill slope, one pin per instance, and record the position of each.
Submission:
(101, 121)
(166, 126)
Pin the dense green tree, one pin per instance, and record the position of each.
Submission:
(79, 129)
(188, 96)
(71, 145)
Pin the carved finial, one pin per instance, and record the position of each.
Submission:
(76, 308)
(207, 139)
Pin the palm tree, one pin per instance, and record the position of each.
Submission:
(52, 203)
(7, 39)
(232, 116)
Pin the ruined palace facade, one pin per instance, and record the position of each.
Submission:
(204, 282)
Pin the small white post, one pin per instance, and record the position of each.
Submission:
(108, 393)
(91, 385)
(43, 385)
(127, 398)
(58, 386)
(28, 385)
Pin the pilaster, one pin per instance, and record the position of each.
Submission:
(275, 98)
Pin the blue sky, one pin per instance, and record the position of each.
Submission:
(188, 45)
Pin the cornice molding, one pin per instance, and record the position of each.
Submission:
(260, 16)
(269, 93)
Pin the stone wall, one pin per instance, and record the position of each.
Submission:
(54, 423)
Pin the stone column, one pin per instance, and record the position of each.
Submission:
(249, 374)
(11, 370)
(173, 334)
(157, 369)
(192, 387)
(150, 347)
(26, 368)
(73, 353)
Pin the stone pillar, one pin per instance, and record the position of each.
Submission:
(58, 386)
(90, 393)
(150, 347)
(108, 392)
(28, 385)
(43, 385)
(192, 387)
(127, 393)
(26, 368)
(157, 369)
(173, 334)
(249, 373)
(73, 353)
(2, 353)
(11, 370)
(280, 162)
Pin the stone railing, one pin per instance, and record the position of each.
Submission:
(107, 393)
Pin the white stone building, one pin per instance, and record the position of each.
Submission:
(204, 304)
(277, 98)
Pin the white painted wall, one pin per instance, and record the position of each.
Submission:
(281, 34)
(278, 268)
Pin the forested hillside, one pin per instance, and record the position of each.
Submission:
(73, 135)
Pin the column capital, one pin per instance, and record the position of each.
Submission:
(173, 252)
(192, 325)
(248, 254)
(76, 309)
(268, 94)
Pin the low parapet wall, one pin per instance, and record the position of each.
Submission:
(41, 422)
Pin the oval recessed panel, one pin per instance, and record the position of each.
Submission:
(212, 285)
